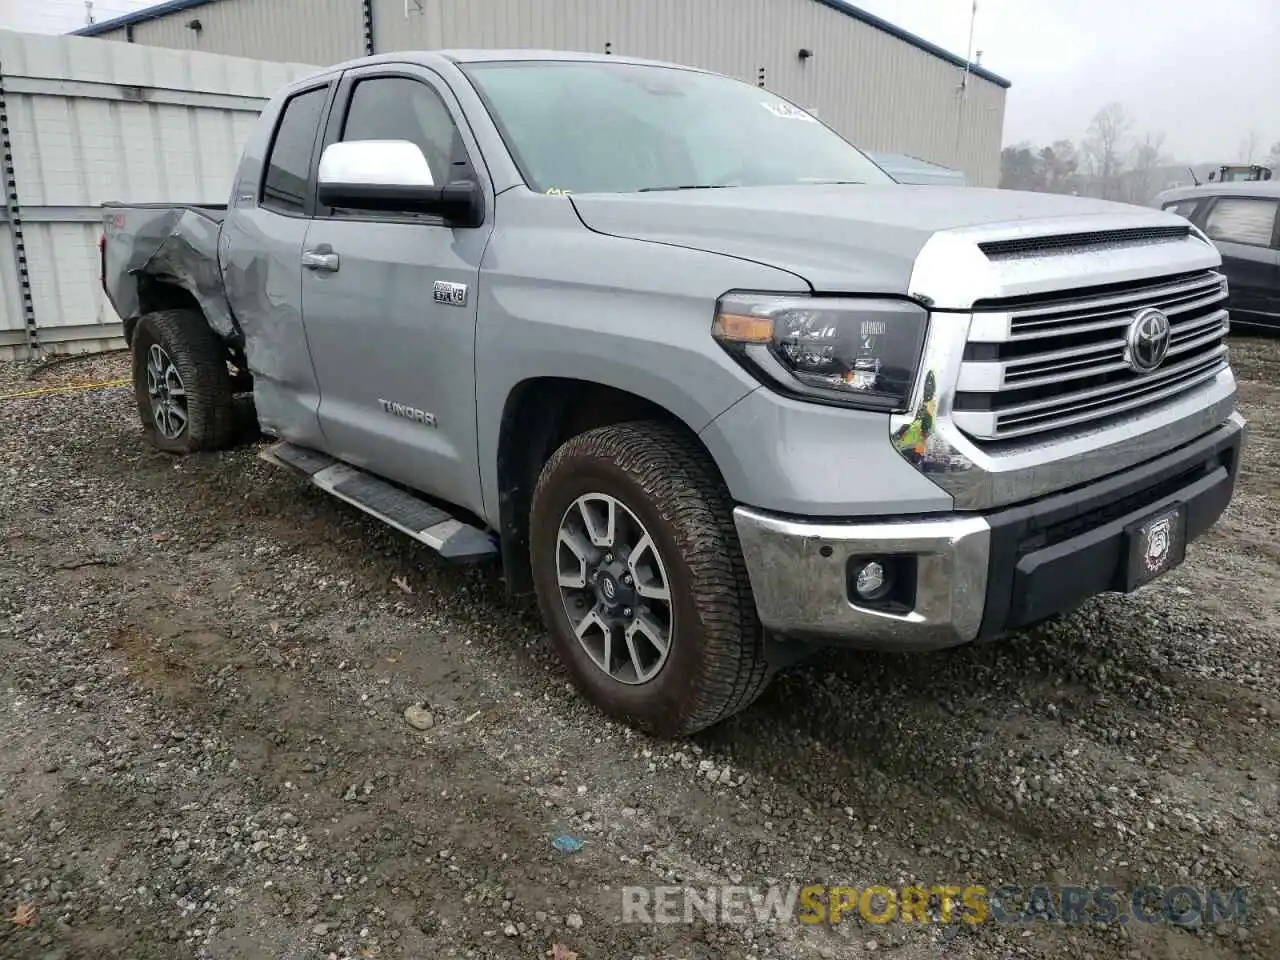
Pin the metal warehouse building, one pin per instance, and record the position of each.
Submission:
(883, 88)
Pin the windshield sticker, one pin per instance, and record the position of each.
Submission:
(787, 111)
(558, 192)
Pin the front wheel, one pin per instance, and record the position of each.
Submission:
(181, 383)
(640, 579)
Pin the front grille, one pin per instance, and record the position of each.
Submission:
(1037, 365)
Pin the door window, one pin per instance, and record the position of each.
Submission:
(284, 184)
(1241, 220)
(400, 108)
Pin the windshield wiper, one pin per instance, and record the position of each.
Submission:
(687, 186)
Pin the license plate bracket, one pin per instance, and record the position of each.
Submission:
(1157, 544)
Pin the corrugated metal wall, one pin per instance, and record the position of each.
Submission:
(90, 122)
(878, 90)
(299, 31)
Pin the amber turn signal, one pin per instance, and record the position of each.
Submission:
(738, 328)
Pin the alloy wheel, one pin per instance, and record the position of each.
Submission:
(615, 588)
(167, 392)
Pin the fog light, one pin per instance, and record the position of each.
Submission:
(872, 581)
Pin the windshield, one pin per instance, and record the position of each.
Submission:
(593, 127)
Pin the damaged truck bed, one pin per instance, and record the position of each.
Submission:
(173, 245)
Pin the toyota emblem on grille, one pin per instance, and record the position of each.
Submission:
(1148, 340)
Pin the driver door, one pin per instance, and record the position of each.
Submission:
(389, 300)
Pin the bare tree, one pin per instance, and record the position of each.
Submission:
(1104, 146)
(1058, 165)
(1274, 159)
(1018, 168)
(1148, 158)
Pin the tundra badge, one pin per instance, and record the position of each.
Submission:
(409, 413)
(451, 294)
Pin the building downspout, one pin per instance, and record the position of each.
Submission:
(366, 9)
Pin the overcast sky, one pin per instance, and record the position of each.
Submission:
(1205, 73)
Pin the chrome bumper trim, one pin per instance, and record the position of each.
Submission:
(802, 593)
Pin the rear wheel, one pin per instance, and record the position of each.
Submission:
(181, 383)
(640, 579)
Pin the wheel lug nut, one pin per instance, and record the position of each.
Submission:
(608, 558)
(626, 611)
(626, 578)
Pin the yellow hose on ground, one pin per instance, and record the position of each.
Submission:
(72, 388)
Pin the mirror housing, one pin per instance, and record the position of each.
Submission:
(393, 176)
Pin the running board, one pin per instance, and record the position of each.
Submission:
(428, 524)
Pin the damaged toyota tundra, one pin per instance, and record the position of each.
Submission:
(694, 370)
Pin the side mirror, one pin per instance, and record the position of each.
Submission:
(393, 176)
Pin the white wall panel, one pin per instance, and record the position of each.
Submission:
(93, 121)
(13, 335)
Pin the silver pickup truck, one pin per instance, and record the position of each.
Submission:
(701, 376)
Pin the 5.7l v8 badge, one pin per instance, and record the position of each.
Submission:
(450, 294)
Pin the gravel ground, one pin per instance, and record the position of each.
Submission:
(206, 664)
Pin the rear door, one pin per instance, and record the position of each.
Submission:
(390, 307)
(1245, 232)
(260, 253)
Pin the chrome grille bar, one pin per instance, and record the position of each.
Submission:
(1083, 316)
(1073, 363)
(1072, 409)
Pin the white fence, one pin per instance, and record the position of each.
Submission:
(85, 121)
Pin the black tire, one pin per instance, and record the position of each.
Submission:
(716, 666)
(201, 361)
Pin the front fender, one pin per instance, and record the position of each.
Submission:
(558, 300)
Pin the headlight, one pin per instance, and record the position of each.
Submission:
(857, 353)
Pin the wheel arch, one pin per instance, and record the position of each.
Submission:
(164, 292)
(539, 415)
(156, 294)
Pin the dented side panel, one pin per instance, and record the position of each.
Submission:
(262, 253)
(253, 266)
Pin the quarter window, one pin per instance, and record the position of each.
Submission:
(284, 184)
(1183, 208)
(1240, 220)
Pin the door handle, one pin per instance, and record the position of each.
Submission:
(320, 261)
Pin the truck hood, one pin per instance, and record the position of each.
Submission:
(840, 238)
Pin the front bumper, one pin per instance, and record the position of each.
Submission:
(977, 575)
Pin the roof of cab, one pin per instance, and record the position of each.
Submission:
(1222, 188)
(430, 57)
